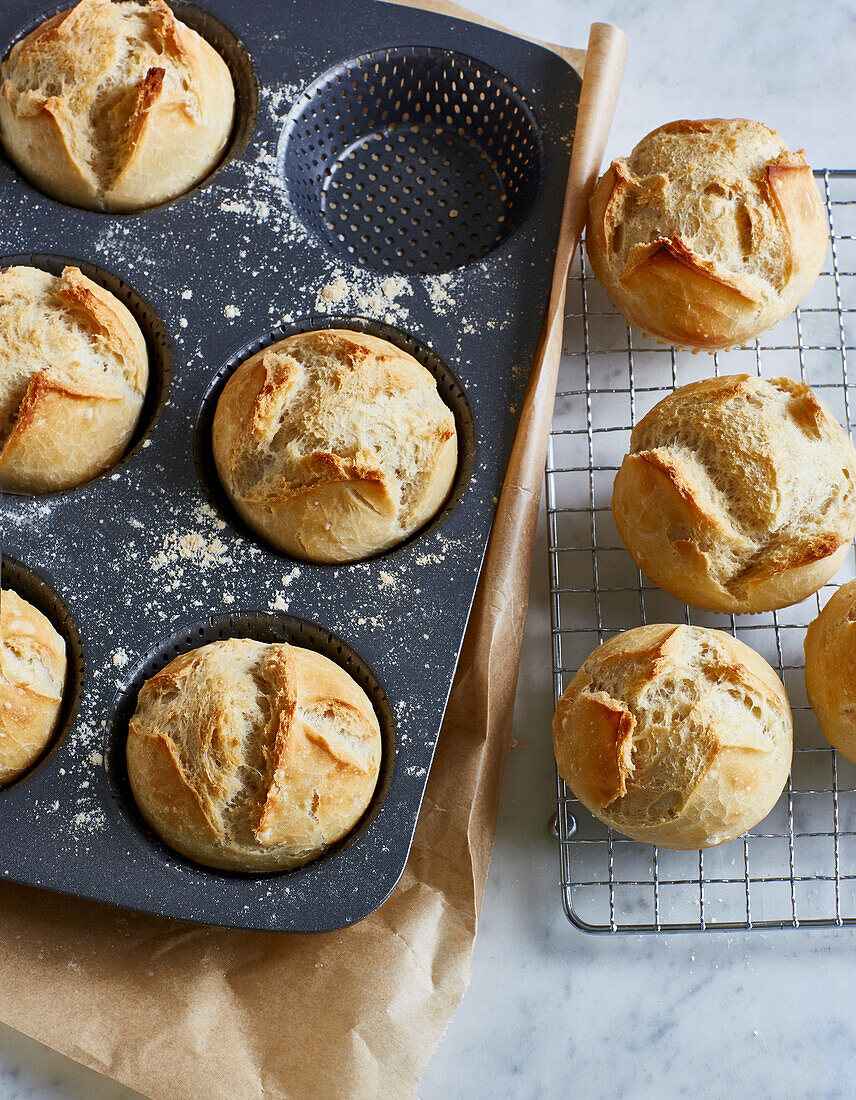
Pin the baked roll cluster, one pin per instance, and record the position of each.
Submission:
(115, 106)
(738, 495)
(32, 682)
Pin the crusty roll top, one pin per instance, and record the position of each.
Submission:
(738, 494)
(708, 233)
(73, 375)
(830, 669)
(253, 756)
(334, 444)
(115, 105)
(673, 734)
(32, 679)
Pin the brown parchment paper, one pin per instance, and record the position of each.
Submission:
(176, 1010)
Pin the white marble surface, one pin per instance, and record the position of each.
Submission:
(552, 1012)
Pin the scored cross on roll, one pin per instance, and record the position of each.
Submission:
(675, 735)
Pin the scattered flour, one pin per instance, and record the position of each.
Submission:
(366, 292)
(280, 601)
(438, 292)
(89, 821)
(335, 291)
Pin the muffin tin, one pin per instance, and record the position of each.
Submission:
(394, 171)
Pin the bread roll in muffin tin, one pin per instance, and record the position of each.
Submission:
(394, 171)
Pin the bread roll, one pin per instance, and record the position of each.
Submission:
(708, 233)
(73, 375)
(830, 669)
(115, 106)
(334, 445)
(252, 756)
(675, 735)
(32, 680)
(738, 494)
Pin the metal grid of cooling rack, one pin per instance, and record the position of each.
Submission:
(797, 868)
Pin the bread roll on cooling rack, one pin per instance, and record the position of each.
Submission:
(830, 669)
(738, 494)
(675, 735)
(709, 233)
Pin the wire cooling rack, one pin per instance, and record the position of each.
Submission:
(797, 868)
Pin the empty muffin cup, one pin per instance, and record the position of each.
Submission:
(412, 159)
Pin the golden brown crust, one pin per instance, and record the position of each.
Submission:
(791, 185)
(610, 740)
(253, 757)
(334, 445)
(143, 112)
(32, 679)
(675, 735)
(148, 93)
(708, 234)
(73, 375)
(830, 669)
(102, 312)
(738, 494)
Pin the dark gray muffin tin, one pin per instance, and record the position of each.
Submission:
(391, 170)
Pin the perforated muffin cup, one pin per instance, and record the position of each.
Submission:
(153, 545)
(412, 159)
